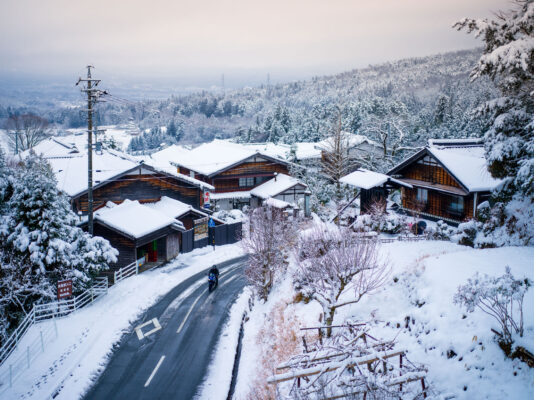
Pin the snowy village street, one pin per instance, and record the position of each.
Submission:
(284, 200)
(171, 361)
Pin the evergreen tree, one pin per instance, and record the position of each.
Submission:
(42, 231)
(508, 59)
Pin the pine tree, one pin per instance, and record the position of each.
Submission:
(508, 59)
(42, 230)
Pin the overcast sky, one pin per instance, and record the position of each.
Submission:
(168, 39)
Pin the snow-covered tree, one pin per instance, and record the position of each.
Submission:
(42, 229)
(336, 268)
(500, 297)
(39, 241)
(268, 244)
(508, 59)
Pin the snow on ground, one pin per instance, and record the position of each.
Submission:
(86, 338)
(424, 278)
(217, 383)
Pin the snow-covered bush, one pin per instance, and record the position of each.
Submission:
(268, 245)
(332, 262)
(230, 216)
(501, 225)
(442, 231)
(379, 220)
(501, 297)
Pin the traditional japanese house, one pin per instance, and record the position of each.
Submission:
(374, 188)
(231, 169)
(449, 179)
(283, 188)
(117, 177)
(137, 232)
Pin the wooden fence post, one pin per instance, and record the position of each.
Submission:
(305, 346)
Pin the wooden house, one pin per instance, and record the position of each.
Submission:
(138, 231)
(449, 180)
(232, 170)
(282, 187)
(374, 188)
(117, 177)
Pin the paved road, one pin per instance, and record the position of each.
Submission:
(170, 362)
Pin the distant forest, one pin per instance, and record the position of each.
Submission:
(412, 99)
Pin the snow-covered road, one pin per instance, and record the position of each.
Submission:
(168, 352)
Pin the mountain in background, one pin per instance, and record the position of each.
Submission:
(408, 100)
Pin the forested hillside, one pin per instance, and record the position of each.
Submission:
(411, 100)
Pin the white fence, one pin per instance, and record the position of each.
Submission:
(40, 313)
(129, 270)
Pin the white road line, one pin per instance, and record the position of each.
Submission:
(154, 372)
(190, 310)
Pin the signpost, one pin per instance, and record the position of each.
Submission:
(64, 289)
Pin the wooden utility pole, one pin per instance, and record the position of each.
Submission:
(92, 96)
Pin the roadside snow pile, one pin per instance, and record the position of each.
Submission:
(415, 308)
(86, 338)
(219, 378)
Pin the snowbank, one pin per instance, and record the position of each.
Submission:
(416, 309)
(217, 382)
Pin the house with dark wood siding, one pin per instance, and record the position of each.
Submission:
(231, 169)
(138, 232)
(449, 180)
(117, 177)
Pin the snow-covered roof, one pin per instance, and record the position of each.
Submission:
(55, 147)
(231, 195)
(276, 203)
(210, 158)
(134, 219)
(170, 169)
(365, 179)
(463, 158)
(468, 165)
(352, 140)
(173, 208)
(70, 165)
(71, 172)
(275, 186)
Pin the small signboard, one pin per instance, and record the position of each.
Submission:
(201, 228)
(64, 289)
(206, 199)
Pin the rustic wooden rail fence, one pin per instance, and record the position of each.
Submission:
(40, 313)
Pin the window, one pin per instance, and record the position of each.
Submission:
(456, 206)
(246, 182)
(422, 195)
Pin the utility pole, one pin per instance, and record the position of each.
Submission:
(92, 96)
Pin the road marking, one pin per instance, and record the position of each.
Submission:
(154, 372)
(141, 335)
(190, 310)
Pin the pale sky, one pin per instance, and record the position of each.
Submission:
(170, 38)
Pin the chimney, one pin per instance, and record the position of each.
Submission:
(275, 175)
